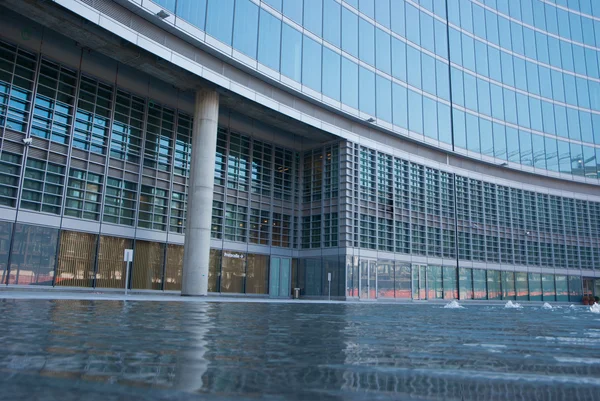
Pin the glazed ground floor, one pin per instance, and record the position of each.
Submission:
(45, 256)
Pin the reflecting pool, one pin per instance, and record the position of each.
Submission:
(110, 350)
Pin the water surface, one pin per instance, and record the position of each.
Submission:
(111, 350)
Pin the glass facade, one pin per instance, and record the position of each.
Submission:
(518, 83)
(521, 88)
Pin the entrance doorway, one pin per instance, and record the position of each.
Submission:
(368, 279)
(279, 277)
(419, 281)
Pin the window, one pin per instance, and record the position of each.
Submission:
(127, 128)
(366, 41)
(349, 32)
(269, 38)
(332, 26)
(160, 126)
(311, 64)
(313, 16)
(92, 120)
(193, 11)
(331, 73)
(291, 52)
(219, 20)
(55, 98)
(367, 91)
(154, 203)
(349, 83)
(246, 27)
(43, 186)
(384, 99)
(84, 191)
(120, 201)
(293, 10)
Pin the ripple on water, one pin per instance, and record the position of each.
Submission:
(295, 351)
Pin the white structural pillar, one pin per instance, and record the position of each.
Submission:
(196, 252)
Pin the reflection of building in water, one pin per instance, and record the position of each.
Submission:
(139, 344)
(396, 147)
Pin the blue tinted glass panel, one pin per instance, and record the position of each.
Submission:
(415, 112)
(331, 73)
(353, 3)
(414, 66)
(560, 119)
(442, 80)
(535, 112)
(558, 91)
(473, 133)
(566, 56)
(481, 58)
(291, 52)
(512, 145)
(311, 64)
(591, 62)
(245, 29)
(585, 121)
(529, 40)
(441, 39)
(523, 110)
(479, 18)
(499, 141)
(468, 52)
(349, 32)
(168, 4)
(455, 47)
(398, 17)
(219, 21)
(384, 99)
(545, 82)
(466, 15)
(427, 35)
(491, 25)
(193, 11)
(486, 137)
(533, 82)
(548, 118)
(313, 16)
(274, 3)
(576, 159)
(460, 133)
(497, 102)
(508, 76)
(483, 95)
(516, 31)
(412, 24)
(520, 74)
(349, 83)
(454, 12)
(554, 52)
(551, 154)
(594, 95)
(430, 119)
(366, 41)
(494, 64)
(539, 151)
(293, 10)
(470, 91)
(573, 122)
(583, 100)
(383, 51)
(458, 95)
(444, 127)
(367, 7)
(428, 66)
(366, 89)
(510, 106)
(269, 37)
(382, 12)
(596, 129)
(564, 157)
(332, 27)
(526, 150)
(400, 106)
(541, 44)
(399, 59)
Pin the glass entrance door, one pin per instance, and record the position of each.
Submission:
(419, 281)
(368, 279)
(279, 277)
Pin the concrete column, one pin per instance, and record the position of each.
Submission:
(200, 194)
